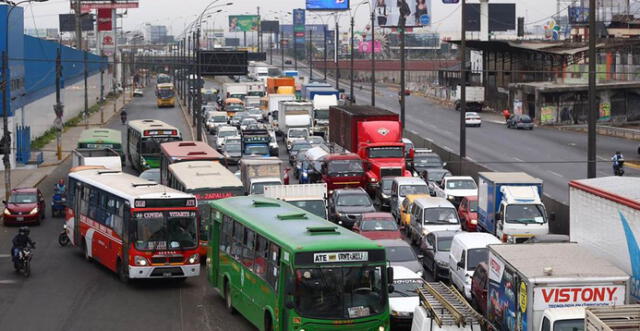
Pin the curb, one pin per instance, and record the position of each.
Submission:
(186, 119)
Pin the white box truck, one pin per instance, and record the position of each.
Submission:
(107, 158)
(310, 197)
(474, 97)
(604, 216)
(257, 173)
(295, 115)
(525, 280)
(274, 108)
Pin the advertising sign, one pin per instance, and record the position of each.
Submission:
(270, 26)
(578, 15)
(392, 13)
(332, 5)
(243, 23)
(496, 268)
(299, 21)
(365, 47)
(502, 16)
(88, 5)
(68, 22)
(573, 296)
(104, 20)
(517, 107)
(107, 42)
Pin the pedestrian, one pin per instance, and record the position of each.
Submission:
(506, 114)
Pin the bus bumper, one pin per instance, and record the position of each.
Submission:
(178, 271)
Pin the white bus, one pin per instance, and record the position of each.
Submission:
(137, 228)
(143, 142)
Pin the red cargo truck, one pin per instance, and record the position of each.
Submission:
(342, 171)
(375, 134)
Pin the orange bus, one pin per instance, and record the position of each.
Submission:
(181, 151)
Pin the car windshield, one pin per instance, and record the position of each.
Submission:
(427, 161)
(386, 185)
(475, 256)
(473, 206)
(238, 117)
(247, 121)
(406, 287)
(235, 107)
(152, 145)
(23, 198)
(322, 114)
(344, 166)
(170, 230)
(440, 215)
(525, 119)
(316, 207)
(258, 188)
(444, 244)
(151, 175)
(378, 225)
(219, 119)
(315, 140)
(400, 254)
(569, 325)
(298, 133)
(461, 184)
(413, 189)
(227, 133)
(436, 176)
(385, 152)
(526, 214)
(298, 147)
(233, 148)
(354, 200)
(340, 293)
(256, 149)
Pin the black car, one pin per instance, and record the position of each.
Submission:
(425, 160)
(346, 206)
(232, 152)
(296, 148)
(382, 193)
(287, 61)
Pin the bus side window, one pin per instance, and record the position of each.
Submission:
(248, 249)
(238, 238)
(273, 264)
(227, 234)
(260, 263)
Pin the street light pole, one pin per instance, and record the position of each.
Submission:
(282, 51)
(198, 107)
(351, 97)
(310, 55)
(325, 50)
(593, 107)
(373, 59)
(463, 84)
(402, 73)
(337, 48)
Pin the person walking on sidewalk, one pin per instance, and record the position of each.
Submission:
(506, 114)
(123, 116)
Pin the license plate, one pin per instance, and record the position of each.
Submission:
(19, 219)
(166, 274)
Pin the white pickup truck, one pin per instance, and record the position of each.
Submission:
(454, 188)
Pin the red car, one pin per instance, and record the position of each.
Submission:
(25, 206)
(377, 226)
(479, 288)
(468, 213)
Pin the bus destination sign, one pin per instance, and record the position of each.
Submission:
(333, 257)
(160, 132)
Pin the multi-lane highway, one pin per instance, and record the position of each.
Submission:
(553, 155)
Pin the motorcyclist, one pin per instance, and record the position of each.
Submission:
(59, 187)
(20, 241)
(123, 116)
(618, 161)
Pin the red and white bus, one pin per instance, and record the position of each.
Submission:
(134, 227)
(181, 151)
(207, 181)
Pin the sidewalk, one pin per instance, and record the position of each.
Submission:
(32, 175)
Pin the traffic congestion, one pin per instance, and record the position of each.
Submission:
(303, 211)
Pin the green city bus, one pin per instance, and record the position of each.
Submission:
(143, 142)
(99, 138)
(283, 268)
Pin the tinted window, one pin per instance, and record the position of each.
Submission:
(353, 200)
(378, 225)
(461, 184)
(440, 215)
(444, 244)
(473, 206)
(400, 254)
(475, 256)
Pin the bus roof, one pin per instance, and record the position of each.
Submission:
(126, 186)
(290, 226)
(189, 150)
(194, 175)
(100, 135)
(149, 124)
(165, 85)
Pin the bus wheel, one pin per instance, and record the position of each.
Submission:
(122, 273)
(268, 324)
(227, 298)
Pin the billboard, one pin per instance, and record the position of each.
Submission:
(104, 20)
(68, 22)
(578, 15)
(270, 26)
(502, 17)
(299, 26)
(243, 23)
(224, 63)
(233, 42)
(392, 13)
(332, 5)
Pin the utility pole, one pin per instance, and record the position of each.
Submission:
(282, 50)
(351, 95)
(310, 55)
(6, 136)
(199, 90)
(325, 51)
(189, 71)
(295, 53)
(337, 47)
(115, 78)
(101, 92)
(86, 92)
(271, 49)
(373, 59)
(402, 73)
(78, 25)
(58, 108)
(593, 107)
(463, 85)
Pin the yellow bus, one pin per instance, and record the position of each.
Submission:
(165, 95)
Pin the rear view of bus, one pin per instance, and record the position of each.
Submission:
(285, 269)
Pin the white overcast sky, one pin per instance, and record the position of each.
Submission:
(177, 13)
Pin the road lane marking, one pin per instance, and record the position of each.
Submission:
(555, 173)
(572, 144)
(472, 160)
(495, 121)
(5, 255)
(602, 158)
(517, 159)
(448, 149)
(7, 281)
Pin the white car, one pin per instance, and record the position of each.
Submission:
(223, 133)
(138, 92)
(404, 298)
(454, 188)
(472, 119)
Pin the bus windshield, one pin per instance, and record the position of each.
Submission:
(165, 93)
(340, 293)
(152, 145)
(157, 230)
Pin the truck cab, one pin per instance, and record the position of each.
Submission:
(521, 214)
(342, 171)
(560, 319)
(381, 147)
(255, 141)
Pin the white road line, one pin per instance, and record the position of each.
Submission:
(555, 173)
(472, 160)
(517, 159)
(448, 149)
(572, 144)
(494, 121)
(5, 255)
(602, 158)
(7, 281)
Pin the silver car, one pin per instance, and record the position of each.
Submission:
(435, 248)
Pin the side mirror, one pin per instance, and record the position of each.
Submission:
(390, 276)
(4, 201)
(460, 264)
(391, 289)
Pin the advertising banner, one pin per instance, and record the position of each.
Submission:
(365, 47)
(332, 5)
(104, 20)
(391, 13)
(547, 114)
(243, 23)
(68, 22)
(299, 21)
(107, 42)
(573, 296)
(270, 26)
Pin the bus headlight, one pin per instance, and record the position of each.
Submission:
(193, 259)
(140, 261)
(450, 197)
(381, 328)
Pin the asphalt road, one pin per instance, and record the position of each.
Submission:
(552, 155)
(65, 292)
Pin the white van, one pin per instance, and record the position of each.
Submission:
(431, 214)
(403, 186)
(468, 249)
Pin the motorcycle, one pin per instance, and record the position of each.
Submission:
(63, 238)
(23, 263)
(619, 169)
(57, 205)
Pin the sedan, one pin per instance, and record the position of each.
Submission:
(138, 92)
(377, 226)
(346, 206)
(520, 122)
(25, 205)
(400, 253)
(435, 248)
(232, 152)
(224, 132)
(382, 194)
(472, 119)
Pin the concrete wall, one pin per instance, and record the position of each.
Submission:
(558, 212)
